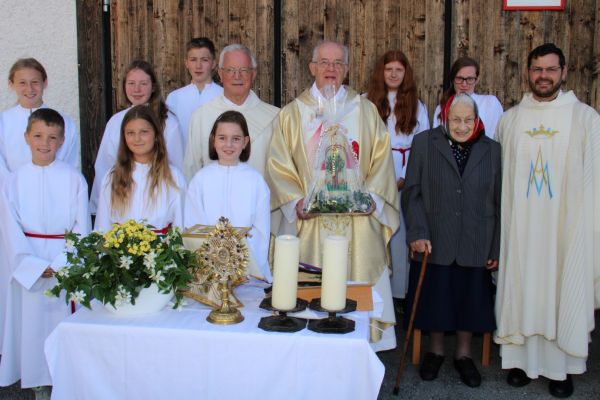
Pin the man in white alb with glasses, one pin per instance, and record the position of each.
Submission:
(237, 70)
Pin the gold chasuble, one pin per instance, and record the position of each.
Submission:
(288, 174)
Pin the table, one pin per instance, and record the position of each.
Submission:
(179, 355)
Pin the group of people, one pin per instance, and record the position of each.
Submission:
(523, 206)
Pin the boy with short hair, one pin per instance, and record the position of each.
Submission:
(200, 61)
(39, 202)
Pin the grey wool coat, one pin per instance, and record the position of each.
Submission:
(460, 215)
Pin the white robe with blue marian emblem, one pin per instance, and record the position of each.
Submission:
(549, 273)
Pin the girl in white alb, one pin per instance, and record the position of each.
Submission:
(141, 185)
(229, 187)
(28, 78)
(393, 90)
(140, 87)
(464, 75)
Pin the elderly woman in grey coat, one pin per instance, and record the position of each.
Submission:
(451, 203)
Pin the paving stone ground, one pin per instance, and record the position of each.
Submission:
(493, 386)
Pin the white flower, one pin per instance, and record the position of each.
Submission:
(170, 266)
(123, 296)
(157, 277)
(125, 262)
(150, 260)
(70, 246)
(88, 275)
(77, 296)
(179, 305)
(63, 272)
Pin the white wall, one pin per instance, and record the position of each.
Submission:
(45, 30)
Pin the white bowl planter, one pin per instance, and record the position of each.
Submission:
(150, 300)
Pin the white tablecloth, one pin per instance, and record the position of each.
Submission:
(179, 355)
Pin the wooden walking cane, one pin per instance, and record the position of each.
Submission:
(410, 322)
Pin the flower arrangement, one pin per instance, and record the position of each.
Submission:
(113, 267)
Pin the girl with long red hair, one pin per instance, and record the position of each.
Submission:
(393, 90)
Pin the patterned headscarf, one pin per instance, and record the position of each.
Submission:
(478, 129)
(461, 150)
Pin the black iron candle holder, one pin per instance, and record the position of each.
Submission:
(266, 304)
(332, 324)
(282, 322)
(315, 305)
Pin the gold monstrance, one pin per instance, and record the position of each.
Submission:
(223, 260)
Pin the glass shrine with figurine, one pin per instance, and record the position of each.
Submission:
(335, 187)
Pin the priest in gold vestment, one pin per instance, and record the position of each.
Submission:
(289, 168)
(549, 272)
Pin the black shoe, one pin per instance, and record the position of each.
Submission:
(467, 371)
(561, 389)
(517, 378)
(430, 366)
(398, 306)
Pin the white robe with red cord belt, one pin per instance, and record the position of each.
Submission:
(165, 210)
(15, 152)
(42, 200)
(109, 146)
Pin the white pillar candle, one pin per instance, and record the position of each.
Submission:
(285, 272)
(335, 273)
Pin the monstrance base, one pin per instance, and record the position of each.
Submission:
(233, 316)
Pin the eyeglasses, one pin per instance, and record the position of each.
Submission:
(324, 64)
(461, 79)
(549, 70)
(232, 71)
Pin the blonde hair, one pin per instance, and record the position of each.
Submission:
(122, 184)
(23, 63)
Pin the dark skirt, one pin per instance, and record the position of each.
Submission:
(452, 298)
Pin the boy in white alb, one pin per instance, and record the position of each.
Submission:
(40, 202)
(200, 61)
